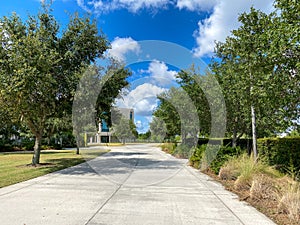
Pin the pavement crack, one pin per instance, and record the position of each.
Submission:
(113, 194)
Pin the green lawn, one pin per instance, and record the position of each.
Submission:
(14, 167)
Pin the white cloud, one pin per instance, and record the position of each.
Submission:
(142, 99)
(81, 4)
(160, 73)
(121, 46)
(100, 6)
(222, 21)
(196, 5)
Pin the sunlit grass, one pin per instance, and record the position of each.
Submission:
(15, 167)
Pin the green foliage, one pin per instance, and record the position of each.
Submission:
(168, 147)
(144, 136)
(281, 152)
(158, 129)
(179, 114)
(124, 130)
(212, 156)
(5, 146)
(168, 114)
(182, 151)
(243, 143)
(40, 66)
(258, 68)
(189, 80)
(27, 144)
(224, 154)
(197, 153)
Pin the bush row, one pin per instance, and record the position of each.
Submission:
(243, 143)
(212, 156)
(284, 153)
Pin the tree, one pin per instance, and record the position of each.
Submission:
(158, 129)
(179, 114)
(246, 52)
(167, 113)
(95, 96)
(40, 66)
(285, 53)
(125, 129)
(189, 81)
(258, 68)
(238, 121)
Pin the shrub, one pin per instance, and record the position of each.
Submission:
(168, 147)
(223, 155)
(242, 143)
(196, 156)
(182, 151)
(263, 187)
(212, 156)
(27, 144)
(281, 152)
(289, 202)
(230, 169)
(243, 169)
(5, 146)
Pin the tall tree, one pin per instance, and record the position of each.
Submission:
(40, 65)
(158, 129)
(190, 81)
(246, 50)
(125, 129)
(179, 114)
(258, 68)
(95, 96)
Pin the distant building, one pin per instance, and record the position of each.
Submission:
(127, 113)
(104, 134)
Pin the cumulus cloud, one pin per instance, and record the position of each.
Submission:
(160, 73)
(100, 6)
(81, 4)
(196, 5)
(222, 21)
(142, 99)
(121, 46)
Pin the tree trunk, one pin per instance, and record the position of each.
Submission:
(37, 150)
(77, 144)
(234, 133)
(253, 121)
(234, 138)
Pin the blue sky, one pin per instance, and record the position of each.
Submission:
(193, 24)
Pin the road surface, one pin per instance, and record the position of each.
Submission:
(131, 185)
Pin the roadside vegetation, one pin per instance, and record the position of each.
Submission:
(41, 64)
(257, 68)
(275, 194)
(15, 166)
(271, 186)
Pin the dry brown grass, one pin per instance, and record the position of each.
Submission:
(229, 172)
(289, 202)
(263, 188)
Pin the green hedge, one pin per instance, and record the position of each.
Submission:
(242, 143)
(284, 153)
(205, 154)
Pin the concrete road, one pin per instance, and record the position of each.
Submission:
(136, 184)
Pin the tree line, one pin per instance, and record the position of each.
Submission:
(41, 65)
(257, 67)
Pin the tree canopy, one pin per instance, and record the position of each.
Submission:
(40, 66)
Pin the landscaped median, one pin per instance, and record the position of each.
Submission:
(15, 167)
